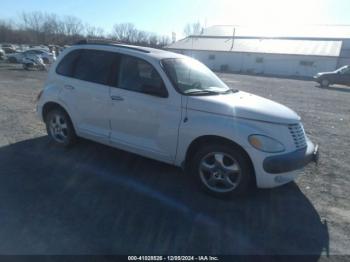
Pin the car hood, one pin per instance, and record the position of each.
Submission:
(326, 73)
(244, 105)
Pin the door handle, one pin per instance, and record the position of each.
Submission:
(69, 87)
(117, 98)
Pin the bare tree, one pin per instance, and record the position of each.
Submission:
(45, 28)
(163, 41)
(93, 31)
(128, 33)
(33, 23)
(153, 40)
(193, 29)
(6, 31)
(141, 37)
(73, 26)
(124, 32)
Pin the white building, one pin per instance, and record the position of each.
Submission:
(294, 51)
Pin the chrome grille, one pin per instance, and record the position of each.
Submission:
(298, 134)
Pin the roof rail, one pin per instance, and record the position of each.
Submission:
(110, 43)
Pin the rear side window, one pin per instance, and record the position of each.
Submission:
(97, 67)
(67, 65)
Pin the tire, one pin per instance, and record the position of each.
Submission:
(59, 127)
(26, 67)
(46, 61)
(222, 170)
(325, 83)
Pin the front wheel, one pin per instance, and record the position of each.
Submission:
(222, 170)
(26, 67)
(60, 128)
(325, 83)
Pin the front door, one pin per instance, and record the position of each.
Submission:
(344, 76)
(144, 118)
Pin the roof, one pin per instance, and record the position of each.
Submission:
(291, 31)
(255, 45)
(127, 49)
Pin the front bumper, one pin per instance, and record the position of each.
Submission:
(317, 79)
(292, 161)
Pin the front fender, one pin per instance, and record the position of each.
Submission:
(200, 124)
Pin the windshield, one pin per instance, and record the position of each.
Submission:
(193, 78)
(343, 69)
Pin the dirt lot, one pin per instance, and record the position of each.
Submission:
(92, 199)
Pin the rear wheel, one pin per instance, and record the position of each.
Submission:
(60, 128)
(222, 170)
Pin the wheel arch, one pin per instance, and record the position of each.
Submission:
(213, 139)
(50, 105)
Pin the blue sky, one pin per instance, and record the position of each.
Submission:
(166, 16)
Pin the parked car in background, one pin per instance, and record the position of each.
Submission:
(172, 108)
(33, 62)
(340, 76)
(18, 57)
(8, 46)
(2, 54)
(9, 50)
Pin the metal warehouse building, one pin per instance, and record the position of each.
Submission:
(296, 51)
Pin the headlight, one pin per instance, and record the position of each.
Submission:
(266, 144)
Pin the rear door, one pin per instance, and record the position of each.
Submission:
(85, 90)
(144, 117)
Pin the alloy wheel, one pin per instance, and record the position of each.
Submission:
(220, 172)
(58, 128)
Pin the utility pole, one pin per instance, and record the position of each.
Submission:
(233, 37)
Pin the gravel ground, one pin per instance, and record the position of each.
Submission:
(93, 199)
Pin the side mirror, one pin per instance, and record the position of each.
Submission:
(155, 90)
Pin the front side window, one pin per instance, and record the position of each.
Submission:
(139, 76)
(191, 77)
(344, 70)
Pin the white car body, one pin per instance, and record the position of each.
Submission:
(2, 54)
(164, 128)
(46, 56)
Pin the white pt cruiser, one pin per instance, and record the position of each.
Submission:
(172, 108)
